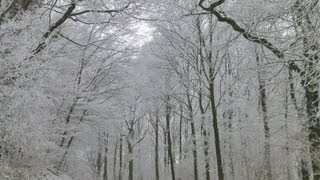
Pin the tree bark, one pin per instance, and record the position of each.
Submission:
(105, 172)
(230, 152)
(216, 130)
(157, 174)
(120, 158)
(215, 125)
(312, 96)
(180, 133)
(263, 103)
(115, 160)
(287, 147)
(193, 136)
(309, 81)
(165, 149)
(205, 147)
(99, 161)
(204, 132)
(130, 152)
(194, 152)
(170, 153)
(214, 108)
(61, 163)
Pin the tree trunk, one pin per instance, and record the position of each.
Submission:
(309, 77)
(314, 127)
(303, 162)
(229, 127)
(120, 158)
(263, 103)
(205, 147)
(216, 132)
(194, 152)
(170, 153)
(180, 133)
(68, 118)
(193, 136)
(157, 147)
(99, 157)
(63, 159)
(105, 172)
(211, 82)
(99, 163)
(165, 149)
(287, 148)
(312, 107)
(115, 160)
(130, 152)
(204, 132)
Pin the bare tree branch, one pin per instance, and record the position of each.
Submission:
(236, 27)
(54, 26)
(110, 11)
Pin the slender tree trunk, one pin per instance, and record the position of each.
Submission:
(63, 159)
(68, 118)
(287, 150)
(157, 147)
(99, 163)
(186, 139)
(99, 158)
(105, 172)
(130, 152)
(229, 126)
(228, 115)
(62, 162)
(211, 82)
(243, 143)
(263, 103)
(165, 161)
(180, 133)
(170, 153)
(115, 160)
(312, 96)
(205, 147)
(201, 70)
(314, 127)
(304, 169)
(120, 158)
(193, 136)
(216, 133)
(130, 149)
(303, 163)
(194, 151)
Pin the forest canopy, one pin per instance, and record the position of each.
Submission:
(159, 89)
